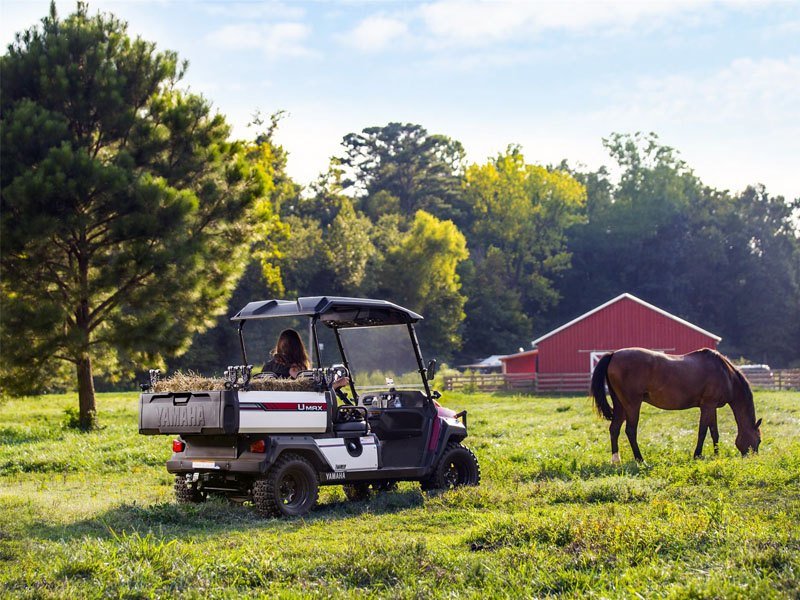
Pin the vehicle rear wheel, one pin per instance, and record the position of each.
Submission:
(187, 493)
(290, 488)
(457, 467)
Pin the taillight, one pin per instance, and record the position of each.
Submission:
(178, 445)
(258, 446)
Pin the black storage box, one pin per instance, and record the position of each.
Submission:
(212, 413)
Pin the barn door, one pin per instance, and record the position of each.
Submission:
(594, 358)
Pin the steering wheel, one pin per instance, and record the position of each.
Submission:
(339, 371)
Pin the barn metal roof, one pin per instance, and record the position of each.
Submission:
(335, 311)
(635, 299)
(519, 354)
(489, 362)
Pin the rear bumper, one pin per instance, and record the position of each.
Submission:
(239, 465)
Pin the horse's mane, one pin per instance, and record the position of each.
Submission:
(738, 376)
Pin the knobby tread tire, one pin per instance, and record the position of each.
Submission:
(186, 493)
(455, 453)
(266, 490)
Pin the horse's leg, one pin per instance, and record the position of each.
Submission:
(706, 413)
(712, 427)
(614, 429)
(631, 427)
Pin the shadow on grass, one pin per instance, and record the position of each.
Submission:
(12, 436)
(558, 470)
(215, 516)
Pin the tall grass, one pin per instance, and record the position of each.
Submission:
(91, 514)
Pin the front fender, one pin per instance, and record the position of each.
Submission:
(450, 430)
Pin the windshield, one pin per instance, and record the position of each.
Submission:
(381, 356)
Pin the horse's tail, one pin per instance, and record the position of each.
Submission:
(599, 387)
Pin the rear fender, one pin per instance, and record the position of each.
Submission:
(304, 446)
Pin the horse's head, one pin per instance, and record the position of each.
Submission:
(749, 438)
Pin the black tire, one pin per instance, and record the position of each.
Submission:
(187, 493)
(457, 467)
(356, 492)
(290, 488)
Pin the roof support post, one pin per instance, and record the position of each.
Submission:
(344, 362)
(423, 371)
(241, 342)
(312, 325)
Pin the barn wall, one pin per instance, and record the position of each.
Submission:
(521, 364)
(622, 324)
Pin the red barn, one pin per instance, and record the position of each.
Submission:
(564, 358)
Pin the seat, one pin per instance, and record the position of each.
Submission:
(350, 428)
(350, 421)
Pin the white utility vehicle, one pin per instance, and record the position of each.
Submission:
(274, 442)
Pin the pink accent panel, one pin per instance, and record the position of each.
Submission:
(437, 426)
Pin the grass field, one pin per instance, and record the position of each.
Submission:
(92, 515)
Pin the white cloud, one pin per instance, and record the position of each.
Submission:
(375, 33)
(481, 23)
(255, 10)
(275, 39)
(747, 90)
(736, 126)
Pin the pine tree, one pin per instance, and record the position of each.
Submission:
(127, 214)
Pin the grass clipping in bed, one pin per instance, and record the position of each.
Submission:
(193, 382)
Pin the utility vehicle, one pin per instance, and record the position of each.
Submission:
(274, 442)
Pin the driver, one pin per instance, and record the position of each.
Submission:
(290, 357)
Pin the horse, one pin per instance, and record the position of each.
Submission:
(703, 378)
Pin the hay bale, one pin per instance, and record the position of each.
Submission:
(189, 382)
(282, 385)
(193, 382)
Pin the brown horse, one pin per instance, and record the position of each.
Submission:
(703, 378)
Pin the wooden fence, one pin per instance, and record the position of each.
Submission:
(519, 382)
(779, 379)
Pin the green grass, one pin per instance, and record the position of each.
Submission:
(92, 515)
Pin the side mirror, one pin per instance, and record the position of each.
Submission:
(431, 370)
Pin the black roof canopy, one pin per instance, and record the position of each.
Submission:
(334, 311)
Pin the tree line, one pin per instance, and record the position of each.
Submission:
(132, 226)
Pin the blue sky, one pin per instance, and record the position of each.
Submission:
(718, 80)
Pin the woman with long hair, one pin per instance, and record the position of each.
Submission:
(289, 356)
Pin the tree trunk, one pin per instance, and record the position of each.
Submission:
(87, 417)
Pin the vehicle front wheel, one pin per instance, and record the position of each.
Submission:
(187, 493)
(290, 488)
(457, 467)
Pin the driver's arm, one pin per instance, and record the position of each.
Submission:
(341, 382)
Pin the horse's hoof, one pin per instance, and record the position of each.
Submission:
(615, 458)
(698, 456)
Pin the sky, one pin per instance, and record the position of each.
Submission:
(717, 80)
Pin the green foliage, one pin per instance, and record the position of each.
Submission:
(518, 243)
(403, 165)
(496, 322)
(92, 515)
(420, 272)
(725, 262)
(127, 218)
